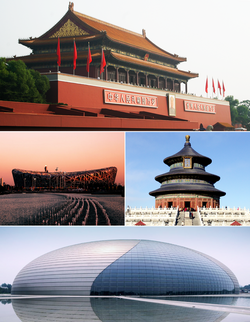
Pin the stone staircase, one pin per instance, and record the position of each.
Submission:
(188, 221)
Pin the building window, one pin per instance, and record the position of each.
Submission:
(132, 79)
(122, 77)
(161, 83)
(111, 75)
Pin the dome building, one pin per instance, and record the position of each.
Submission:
(125, 267)
(187, 184)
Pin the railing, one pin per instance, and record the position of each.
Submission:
(152, 216)
(224, 216)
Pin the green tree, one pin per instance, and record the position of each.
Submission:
(233, 108)
(242, 117)
(17, 83)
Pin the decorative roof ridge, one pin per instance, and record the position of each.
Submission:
(107, 24)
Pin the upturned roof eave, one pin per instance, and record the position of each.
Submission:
(53, 57)
(172, 56)
(152, 66)
(188, 151)
(33, 42)
(165, 54)
(197, 189)
(188, 172)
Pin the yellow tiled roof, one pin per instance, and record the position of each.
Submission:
(153, 65)
(125, 36)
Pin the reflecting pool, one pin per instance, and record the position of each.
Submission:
(75, 309)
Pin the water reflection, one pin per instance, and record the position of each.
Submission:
(106, 310)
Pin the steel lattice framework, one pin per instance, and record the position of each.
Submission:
(58, 179)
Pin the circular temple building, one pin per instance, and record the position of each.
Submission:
(125, 267)
(187, 184)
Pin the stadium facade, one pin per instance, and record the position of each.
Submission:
(59, 179)
(125, 267)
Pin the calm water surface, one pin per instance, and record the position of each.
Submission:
(109, 310)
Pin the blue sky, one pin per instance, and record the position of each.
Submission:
(209, 35)
(229, 152)
(20, 245)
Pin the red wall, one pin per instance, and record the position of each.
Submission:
(85, 96)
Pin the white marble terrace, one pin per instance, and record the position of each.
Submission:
(205, 216)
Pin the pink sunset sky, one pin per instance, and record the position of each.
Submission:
(67, 151)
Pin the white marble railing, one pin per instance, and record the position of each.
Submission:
(224, 216)
(151, 216)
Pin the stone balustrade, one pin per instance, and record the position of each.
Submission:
(224, 216)
(151, 216)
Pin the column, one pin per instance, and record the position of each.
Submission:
(166, 82)
(158, 79)
(117, 74)
(127, 76)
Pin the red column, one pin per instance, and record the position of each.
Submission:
(117, 75)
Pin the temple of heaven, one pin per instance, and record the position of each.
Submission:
(187, 184)
(125, 267)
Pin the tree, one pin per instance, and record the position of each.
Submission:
(233, 104)
(242, 115)
(5, 288)
(17, 83)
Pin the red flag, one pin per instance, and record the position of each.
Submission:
(89, 60)
(75, 56)
(213, 86)
(223, 87)
(58, 53)
(219, 87)
(103, 63)
(206, 87)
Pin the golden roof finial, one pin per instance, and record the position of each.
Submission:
(187, 137)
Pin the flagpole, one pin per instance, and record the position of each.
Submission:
(73, 56)
(88, 57)
(207, 86)
(101, 64)
(58, 52)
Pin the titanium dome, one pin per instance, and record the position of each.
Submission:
(125, 267)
